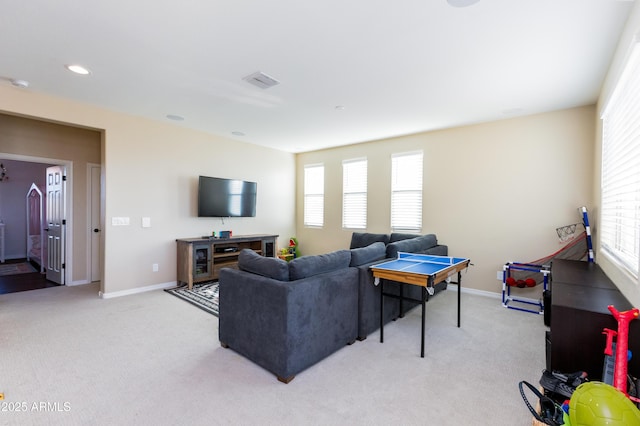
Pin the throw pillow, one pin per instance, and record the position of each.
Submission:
(396, 236)
(270, 267)
(363, 239)
(308, 266)
(411, 245)
(368, 254)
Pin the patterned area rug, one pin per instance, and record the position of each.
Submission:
(202, 295)
(16, 268)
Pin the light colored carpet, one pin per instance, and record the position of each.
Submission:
(153, 359)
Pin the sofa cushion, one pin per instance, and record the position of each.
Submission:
(396, 236)
(412, 245)
(270, 267)
(308, 266)
(363, 239)
(370, 253)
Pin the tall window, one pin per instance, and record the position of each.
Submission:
(406, 192)
(314, 195)
(620, 205)
(354, 193)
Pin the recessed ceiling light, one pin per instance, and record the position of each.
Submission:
(175, 117)
(23, 84)
(237, 133)
(462, 3)
(78, 69)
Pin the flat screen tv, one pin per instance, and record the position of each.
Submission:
(218, 197)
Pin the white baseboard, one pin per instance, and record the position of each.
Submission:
(474, 291)
(79, 282)
(160, 286)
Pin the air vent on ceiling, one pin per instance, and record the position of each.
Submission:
(261, 80)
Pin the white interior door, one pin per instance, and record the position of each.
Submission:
(95, 229)
(56, 224)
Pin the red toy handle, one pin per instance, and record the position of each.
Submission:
(622, 346)
(608, 349)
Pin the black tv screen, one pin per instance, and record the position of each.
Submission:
(218, 197)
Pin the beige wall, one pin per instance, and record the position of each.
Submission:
(24, 137)
(493, 192)
(631, 35)
(150, 169)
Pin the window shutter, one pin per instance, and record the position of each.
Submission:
(314, 195)
(406, 192)
(620, 204)
(354, 194)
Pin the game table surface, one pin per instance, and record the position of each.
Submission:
(420, 263)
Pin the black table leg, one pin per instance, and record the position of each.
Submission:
(459, 291)
(401, 288)
(381, 311)
(424, 298)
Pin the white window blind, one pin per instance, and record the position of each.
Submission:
(354, 194)
(620, 204)
(406, 192)
(314, 195)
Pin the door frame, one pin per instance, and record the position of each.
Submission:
(90, 195)
(68, 200)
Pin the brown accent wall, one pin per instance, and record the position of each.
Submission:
(24, 136)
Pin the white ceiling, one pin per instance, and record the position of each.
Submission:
(396, 67)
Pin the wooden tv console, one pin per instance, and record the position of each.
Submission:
(200, 259)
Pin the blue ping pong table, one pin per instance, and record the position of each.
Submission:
(417, 269)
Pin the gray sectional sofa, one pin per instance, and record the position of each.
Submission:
(286, 317)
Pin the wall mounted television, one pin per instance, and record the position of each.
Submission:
(218, 197)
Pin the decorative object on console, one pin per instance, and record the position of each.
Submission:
(293, 247)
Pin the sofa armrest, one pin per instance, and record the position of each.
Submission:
(287, 326)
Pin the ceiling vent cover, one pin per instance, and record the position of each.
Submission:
(261, 80)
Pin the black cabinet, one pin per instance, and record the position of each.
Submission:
(580, 296)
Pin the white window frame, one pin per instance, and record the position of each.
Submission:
(314, 195)
(406, 191)
(354, 193)
(620, 178)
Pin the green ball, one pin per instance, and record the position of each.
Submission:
(600, 404)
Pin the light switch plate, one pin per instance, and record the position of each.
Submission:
(120, 221)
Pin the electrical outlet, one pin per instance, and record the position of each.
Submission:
(499, 275)
(154, 267)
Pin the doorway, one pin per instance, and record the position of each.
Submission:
(23, 281)
(24, 263)
(31, 139)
